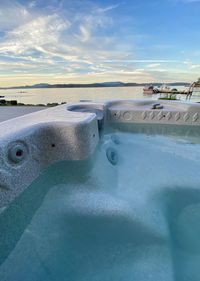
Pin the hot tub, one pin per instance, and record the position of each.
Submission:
(98, 192)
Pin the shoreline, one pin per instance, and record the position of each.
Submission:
(93, 85)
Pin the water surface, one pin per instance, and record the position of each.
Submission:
(133, 220)
(44, 96)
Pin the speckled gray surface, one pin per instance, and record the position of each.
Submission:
(30, 143)
(141, 111)
(9, 112)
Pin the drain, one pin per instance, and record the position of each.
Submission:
(112, 155)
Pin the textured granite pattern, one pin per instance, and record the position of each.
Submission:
(44, 137)
(32, 142)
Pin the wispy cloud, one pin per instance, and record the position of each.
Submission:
(153, 65)
(31, 36)
(55, 40)
(81, 40)
(109, 8)
(143, 61)
(12, 14)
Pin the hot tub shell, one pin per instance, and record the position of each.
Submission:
(30, 143)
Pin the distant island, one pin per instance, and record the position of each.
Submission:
(94, 85)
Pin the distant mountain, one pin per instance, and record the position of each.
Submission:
(179, 84)
(95, 85)
(112, 84)
(41, 85)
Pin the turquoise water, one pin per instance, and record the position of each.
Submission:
(136, 218)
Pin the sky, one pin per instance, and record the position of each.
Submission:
(86, 41)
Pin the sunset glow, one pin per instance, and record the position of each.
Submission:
(61, 41)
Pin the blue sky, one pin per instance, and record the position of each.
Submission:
(81, 41)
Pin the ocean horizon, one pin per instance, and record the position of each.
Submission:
(70, 95)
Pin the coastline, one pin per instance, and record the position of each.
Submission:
(93, 85)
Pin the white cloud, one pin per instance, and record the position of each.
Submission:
(85, 34)
(143, 61)
(44, 34)
(109, 8)
(190, 65)
(50, 43)
(36, 33)
(153, 65)
(12, 14)
(63, 44)
(32, 4)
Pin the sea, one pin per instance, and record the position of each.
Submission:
(71, 95)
